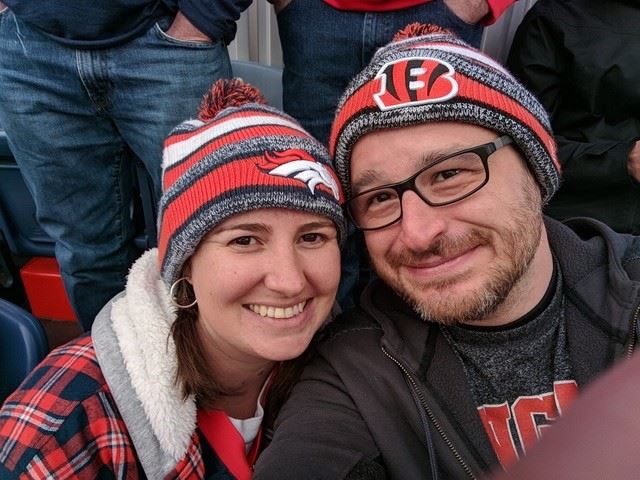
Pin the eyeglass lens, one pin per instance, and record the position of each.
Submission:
(441, 183)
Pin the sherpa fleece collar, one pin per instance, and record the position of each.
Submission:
(140, 322)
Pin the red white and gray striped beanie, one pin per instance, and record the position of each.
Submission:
(427, 74)
(238, 155)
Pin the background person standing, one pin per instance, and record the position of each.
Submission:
(87, 86)
(582, 60)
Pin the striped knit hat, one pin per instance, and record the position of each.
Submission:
(239, 155)
(426, 74)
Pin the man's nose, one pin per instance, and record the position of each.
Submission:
(421, 223)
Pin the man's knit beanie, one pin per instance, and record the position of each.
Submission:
(427, 74)
(239, 155)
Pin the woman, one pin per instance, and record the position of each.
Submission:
(172, 381)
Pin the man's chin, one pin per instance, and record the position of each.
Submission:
(451, 301)
(454, 311)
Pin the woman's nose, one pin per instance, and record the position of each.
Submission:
(285, 274)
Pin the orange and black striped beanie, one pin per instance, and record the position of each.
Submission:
(238, 155)
(427, 74)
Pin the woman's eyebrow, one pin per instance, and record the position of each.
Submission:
(250, 227)
(317, 224)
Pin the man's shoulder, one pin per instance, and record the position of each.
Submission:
(589, 230)
(596, 262)
(352, 321)
(584, 237)
(378, 311)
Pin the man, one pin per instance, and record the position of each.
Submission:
(87, 87)
(487, 317)
(344, 37)
(580, 58)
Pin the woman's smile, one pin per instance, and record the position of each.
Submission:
(277, 311)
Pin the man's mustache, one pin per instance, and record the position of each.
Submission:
(445, 247)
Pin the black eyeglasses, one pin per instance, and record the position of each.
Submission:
(445, 181)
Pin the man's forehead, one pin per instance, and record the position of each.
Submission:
(431, 136)
(369, 170)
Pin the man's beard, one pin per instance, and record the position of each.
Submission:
(435, 301)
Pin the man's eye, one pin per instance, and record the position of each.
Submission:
(446, 174)
(378, 198)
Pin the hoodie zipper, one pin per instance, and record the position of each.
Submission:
(634, 326)
(431, 416)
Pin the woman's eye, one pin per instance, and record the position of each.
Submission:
(243, 241)
(312, 237)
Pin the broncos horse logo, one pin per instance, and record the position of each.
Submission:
(299, 165)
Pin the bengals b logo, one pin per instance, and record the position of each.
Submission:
(414, 81)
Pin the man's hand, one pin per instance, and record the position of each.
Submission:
(183, 29)
(633, 163)
(470, 11)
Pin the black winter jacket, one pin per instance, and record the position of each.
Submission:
(385, 396)
(582, 59)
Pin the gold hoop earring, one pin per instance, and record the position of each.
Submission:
(172, 294)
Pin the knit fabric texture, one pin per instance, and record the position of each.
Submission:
(436, 77)
(234, 159)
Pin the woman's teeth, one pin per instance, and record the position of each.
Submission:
(277, 312)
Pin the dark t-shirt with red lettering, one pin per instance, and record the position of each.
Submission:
(519, 374)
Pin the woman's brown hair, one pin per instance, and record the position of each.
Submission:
(191, 377)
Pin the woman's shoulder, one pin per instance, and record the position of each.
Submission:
(63, 406)
(70, 372)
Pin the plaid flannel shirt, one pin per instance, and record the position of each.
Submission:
(63, 423)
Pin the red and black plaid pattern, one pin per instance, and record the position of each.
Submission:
(436, 77)
(63, 423)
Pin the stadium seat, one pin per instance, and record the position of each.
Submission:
(24, 237)
(4, 145)
(18, 222)
(23, 344)
(268, 79)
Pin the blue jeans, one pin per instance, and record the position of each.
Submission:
(75, 120)
(323, 49)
